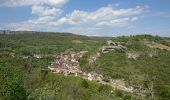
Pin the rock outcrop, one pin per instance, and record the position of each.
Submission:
(112, 46)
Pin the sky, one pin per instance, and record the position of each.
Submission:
(87, 17)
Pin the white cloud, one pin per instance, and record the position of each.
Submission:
(22, 26)
(41, 20)
(34, 24)
(80, 22)
(14, 3)
(83, 31)
(46, 11)
(76, 17)
(134, 19)
(115, 22)
(104, 16)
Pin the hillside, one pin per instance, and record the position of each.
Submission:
(64, 66)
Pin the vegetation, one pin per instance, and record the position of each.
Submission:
(22, 76)
(142, 71)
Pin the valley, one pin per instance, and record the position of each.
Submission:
(44, 66)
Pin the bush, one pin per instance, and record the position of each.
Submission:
(165, 92)
(84, 84)
(118, 93)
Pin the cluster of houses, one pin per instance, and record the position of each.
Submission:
(68, 64)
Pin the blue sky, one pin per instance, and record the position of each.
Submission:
(87, 17)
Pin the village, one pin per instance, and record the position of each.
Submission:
(68, 65)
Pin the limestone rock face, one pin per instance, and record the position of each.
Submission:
(132, 55)
(112, 46)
